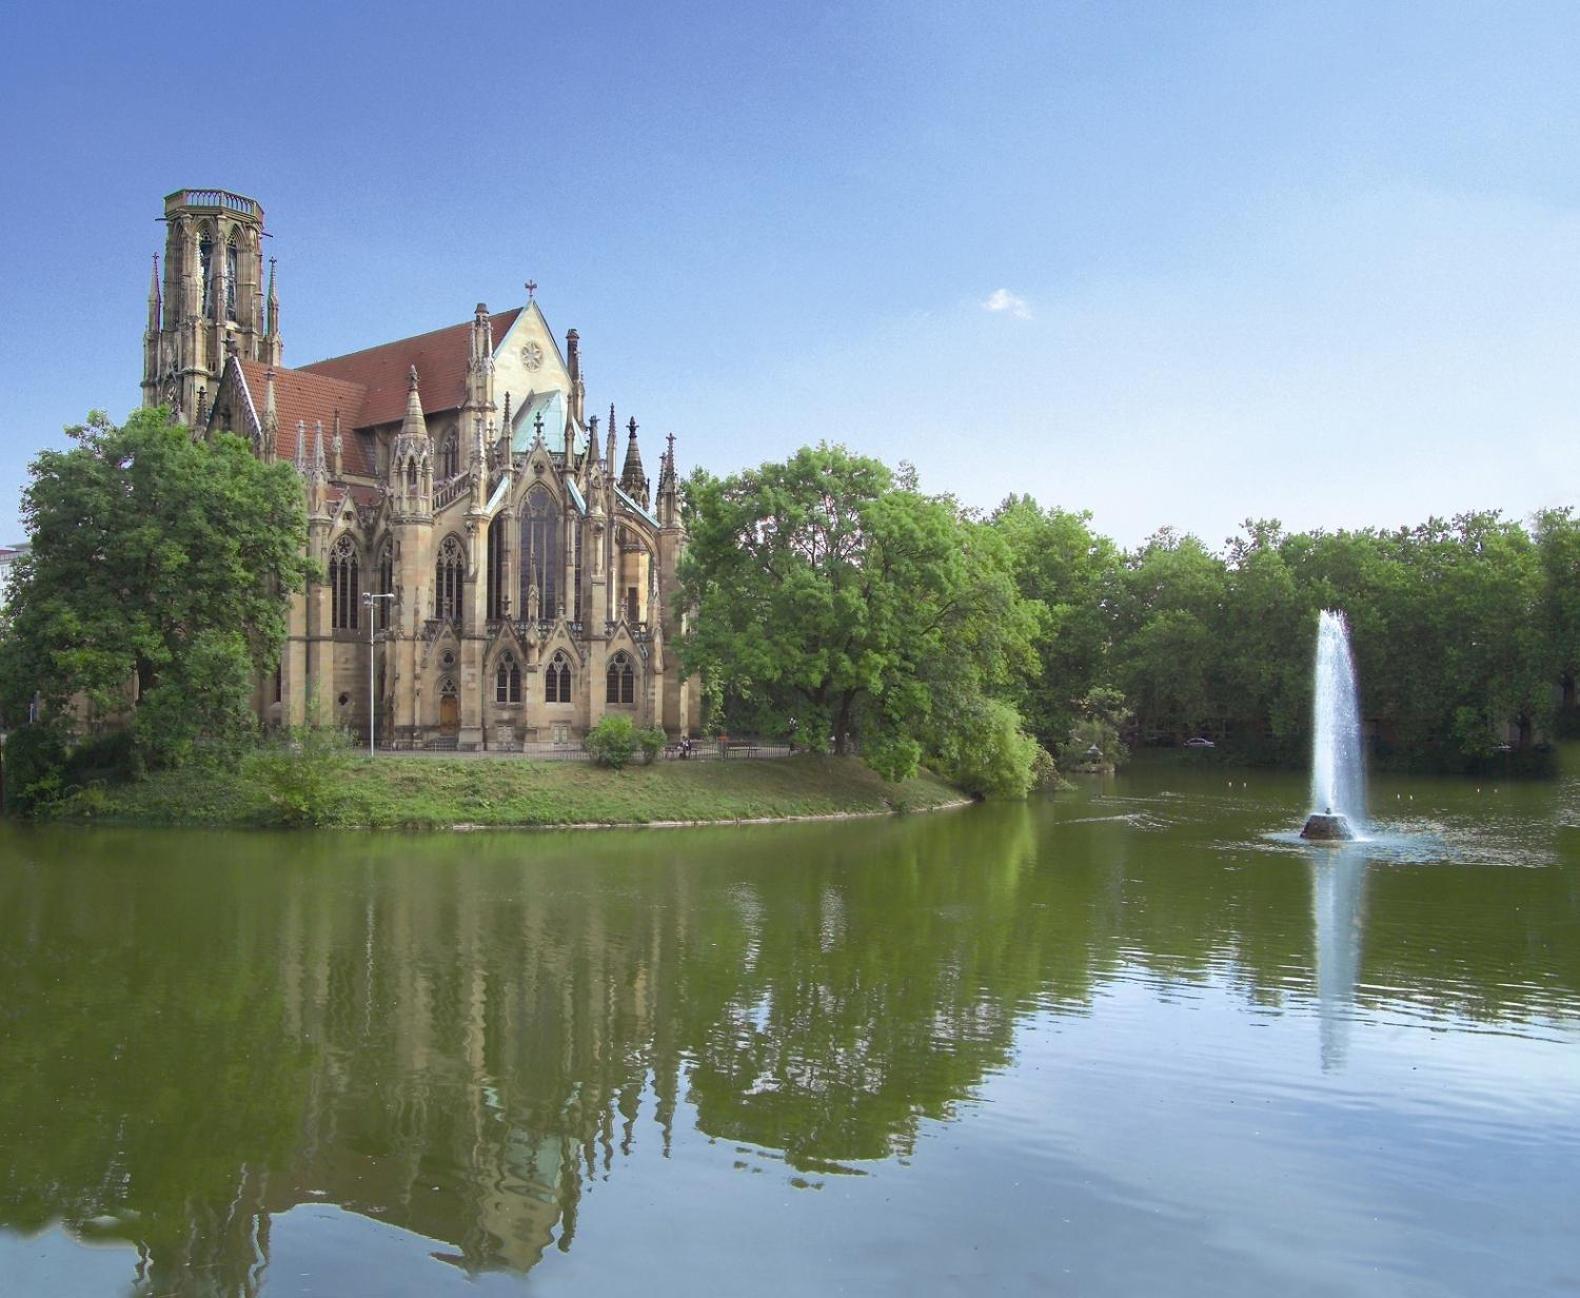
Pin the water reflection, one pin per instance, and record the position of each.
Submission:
(465, 1037)
(1338, 919)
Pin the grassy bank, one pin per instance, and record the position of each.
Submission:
(435, 793)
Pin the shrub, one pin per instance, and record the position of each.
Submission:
(652, 742)
(612, 742)
(303, 773)
(987, 753)
(894, 757)
(35, 768)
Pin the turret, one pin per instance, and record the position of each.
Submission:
(272, 348)
(631, 476)
(668, 489)
(151, 349)
(609, 452)
(573, 356)
(411, 458)
(271, 417)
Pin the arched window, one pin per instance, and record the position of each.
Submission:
(449, 457)
(507, 679)
(621, 680)
(541, 560)
(576, 547)
(386, 584)
(498, 598)
(557, 679)
(206, 257)
(411, 475)
(447, 576)
(344, 595)
(232, 266)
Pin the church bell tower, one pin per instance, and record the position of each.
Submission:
(210, 302)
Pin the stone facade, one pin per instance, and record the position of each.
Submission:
(524, 583)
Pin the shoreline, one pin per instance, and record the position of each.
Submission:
(468, 827)
(471, 795)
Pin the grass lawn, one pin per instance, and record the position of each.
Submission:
(436, 792)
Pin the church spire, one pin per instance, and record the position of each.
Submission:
(155, 303)
(631, 476)
(272, 348)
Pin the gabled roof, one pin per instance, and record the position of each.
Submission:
(313, 399)
(440, 358)
(551, 405)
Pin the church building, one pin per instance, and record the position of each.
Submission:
(522, 580)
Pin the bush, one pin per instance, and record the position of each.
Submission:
(112, 758)
(987, 753)
(894, 757)
(35, 768)
(303, 773)
(612, 742)
(652, 742)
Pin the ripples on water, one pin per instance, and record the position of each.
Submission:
(1141, 1039)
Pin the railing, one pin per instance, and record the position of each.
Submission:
(214, 198)
(452, 490)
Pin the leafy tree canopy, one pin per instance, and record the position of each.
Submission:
(831, 602)
(157, 582)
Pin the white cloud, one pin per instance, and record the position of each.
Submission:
(1001, 299)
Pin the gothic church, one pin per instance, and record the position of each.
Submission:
(521, 582)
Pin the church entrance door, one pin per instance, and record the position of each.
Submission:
(449, 715)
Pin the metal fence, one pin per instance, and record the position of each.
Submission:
(699, 750)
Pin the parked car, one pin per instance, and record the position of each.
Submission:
(1199, 741)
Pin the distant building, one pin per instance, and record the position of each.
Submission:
(456, 471)
(9, 554)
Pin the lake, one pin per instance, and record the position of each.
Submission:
(1135, 1039)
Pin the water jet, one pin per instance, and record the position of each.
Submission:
(1338, 772)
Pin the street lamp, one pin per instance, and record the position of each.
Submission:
(367, 602)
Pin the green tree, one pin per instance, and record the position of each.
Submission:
(1073, 572)
(158, 579)
(836, 604)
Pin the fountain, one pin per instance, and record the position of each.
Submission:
(1338, 774)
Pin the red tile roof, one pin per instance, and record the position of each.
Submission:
(440, 358)
(313, 398)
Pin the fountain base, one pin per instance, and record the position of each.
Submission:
(1325, 827)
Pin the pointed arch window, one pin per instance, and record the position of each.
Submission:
(411, 475)
(541, 558)
(498, 558)
(386, 584)
(449, 456)
(232, 266)
(507, 679)
(620, 680)
(206, 258)
(447, 579)
(344, 595)
(557, 679)
(576, 548)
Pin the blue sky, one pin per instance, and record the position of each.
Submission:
(1319, 262)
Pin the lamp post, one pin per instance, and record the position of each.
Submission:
(368, 598)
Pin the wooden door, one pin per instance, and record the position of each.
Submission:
(449, 714)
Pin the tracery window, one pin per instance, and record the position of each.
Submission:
(386, 584)
(344, 595)
(620, 680)
(507, 679)
(411, 475)
(232, 266)
(206, 257)
(557, 679)
(449, 457)
(447, 578)
(541, 559)
(576, 546)
(497, 566)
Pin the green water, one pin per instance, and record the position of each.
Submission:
(1134, 1040)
